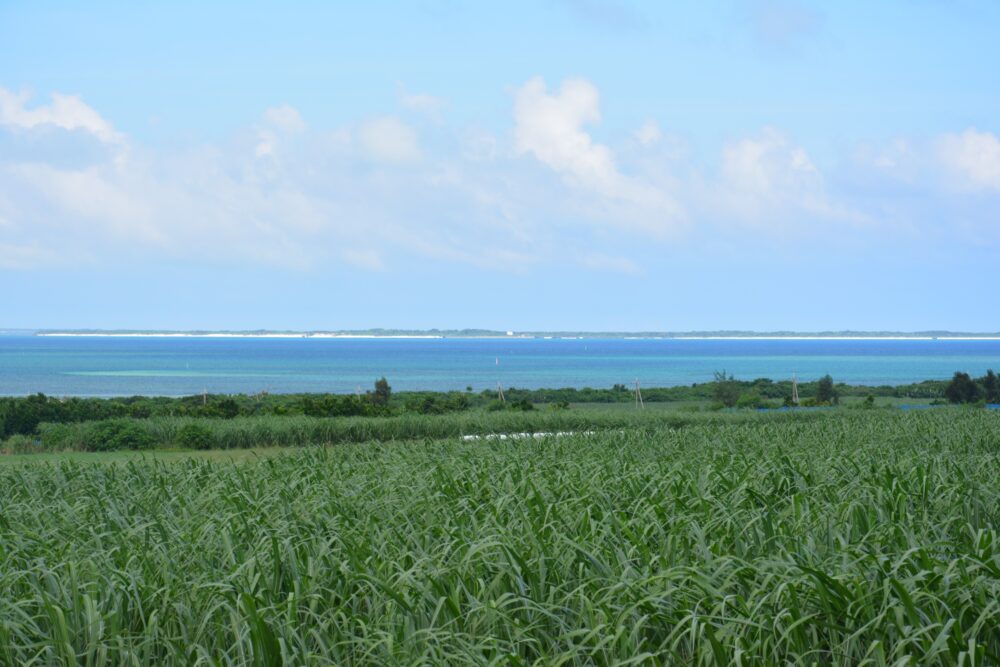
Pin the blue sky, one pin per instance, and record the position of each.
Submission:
(573, 164)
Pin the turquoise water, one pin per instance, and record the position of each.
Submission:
(181, 366)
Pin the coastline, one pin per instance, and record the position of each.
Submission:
(532, 336)
(220, 335)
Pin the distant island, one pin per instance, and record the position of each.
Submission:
(489, 333)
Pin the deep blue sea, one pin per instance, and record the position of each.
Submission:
(78, 366)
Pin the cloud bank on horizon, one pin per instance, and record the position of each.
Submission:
(557, 174)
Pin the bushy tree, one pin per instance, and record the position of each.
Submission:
(433, 403)
(725, 389)
(751, 399)
(962, 389)
(991, 387)
(22, 415)
(115, 434)
(826, 393)
(195, 436)
(331, 405)
(382, 392)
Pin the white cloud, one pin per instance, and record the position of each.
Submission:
(550, 126)
(422, 103)
(281, 193)
(897, 156)
(278, 123)
(648, 133)
(767, 177)
(953, 162)
(284, 118)
(765, 164)
(973, 157)
(310, 204)
(85, 197)
(68, 112)
(388, 139)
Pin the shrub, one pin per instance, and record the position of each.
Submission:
(751, 399)
(195, 436)
(725, 389)
(59, 437)
(115, 434)
(962, 389)
(20, 444)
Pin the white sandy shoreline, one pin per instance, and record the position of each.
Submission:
(60, 334)
(216, 335)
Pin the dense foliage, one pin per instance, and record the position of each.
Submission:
(828, 538)
(964, 389)
(298, 430)
(22, 415)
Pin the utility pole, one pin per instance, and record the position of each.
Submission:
(795, 390)
(638, 396)
(500, 393)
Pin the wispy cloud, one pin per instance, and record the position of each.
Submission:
(973, 157)
(380, 192)
(422, 103)
(68, 112)
(388, 139)
(961, 162)
(767, 178)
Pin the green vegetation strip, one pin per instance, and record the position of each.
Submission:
(848, 538)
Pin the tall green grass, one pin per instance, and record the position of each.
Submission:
(858, 538)
(275, 431)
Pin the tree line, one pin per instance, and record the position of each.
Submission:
(22, 415)
(964, 389)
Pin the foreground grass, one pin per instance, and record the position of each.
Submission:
(849, 538)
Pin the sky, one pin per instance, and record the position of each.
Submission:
(538, 165)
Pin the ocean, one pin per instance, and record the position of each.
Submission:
(177, 366)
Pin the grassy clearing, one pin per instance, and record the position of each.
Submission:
(850, 538)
